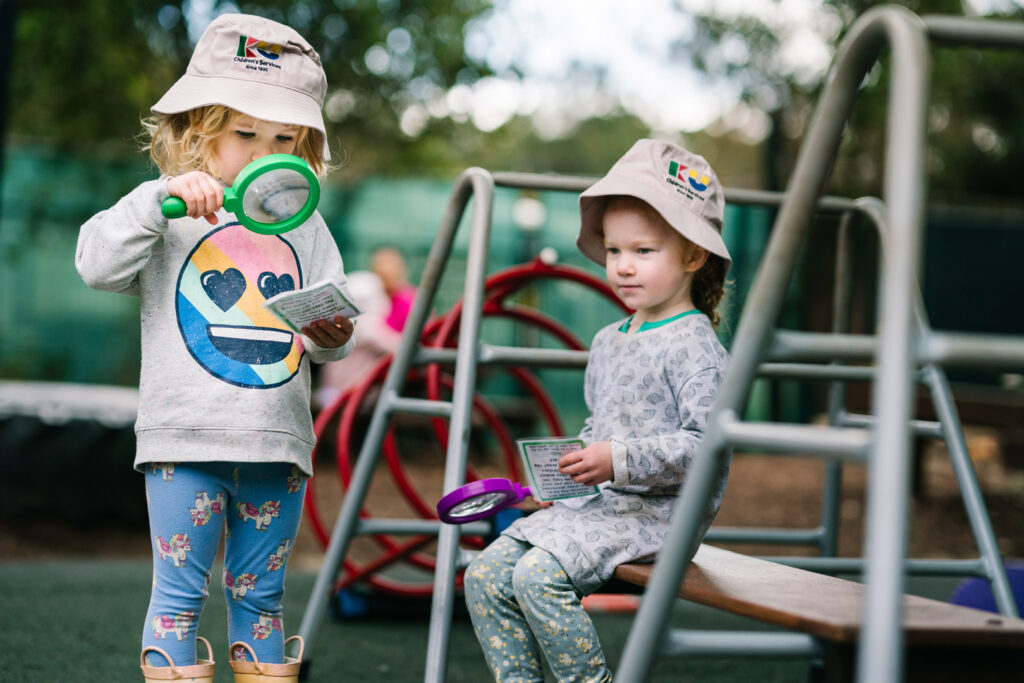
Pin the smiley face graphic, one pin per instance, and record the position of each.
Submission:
(221, 289)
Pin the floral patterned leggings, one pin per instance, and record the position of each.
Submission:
(522, 602)
(190, 506)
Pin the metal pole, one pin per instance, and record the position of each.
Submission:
(832, 488)
(458, 429)
(369, 453)
(977, 515)
(880, 655)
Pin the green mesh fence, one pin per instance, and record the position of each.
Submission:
(53, 327)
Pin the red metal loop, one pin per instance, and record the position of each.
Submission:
(441, 332)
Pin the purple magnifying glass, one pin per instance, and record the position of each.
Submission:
(479, 499)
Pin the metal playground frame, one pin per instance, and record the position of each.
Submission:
(903, 352)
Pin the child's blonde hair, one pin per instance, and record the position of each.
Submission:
(708, 286)
(182, 142)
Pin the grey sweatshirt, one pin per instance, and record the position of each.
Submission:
(650, 394)
(221, 379)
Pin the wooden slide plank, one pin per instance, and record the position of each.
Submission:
(823, 606)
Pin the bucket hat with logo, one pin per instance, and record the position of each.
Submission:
(257, 67)
(678, 184)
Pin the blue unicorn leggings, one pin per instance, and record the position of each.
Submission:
(521, 602)
(260, 505)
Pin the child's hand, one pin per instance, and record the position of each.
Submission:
(328, 335)
(590, 466)
(201, 193)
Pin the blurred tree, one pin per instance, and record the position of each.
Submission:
(976, 131)
(86, 72)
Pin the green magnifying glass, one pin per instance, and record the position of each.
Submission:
(271, 195)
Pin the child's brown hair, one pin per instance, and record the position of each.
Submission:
(182, 142)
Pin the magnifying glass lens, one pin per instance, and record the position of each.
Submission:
(275, 196)
(478, 504)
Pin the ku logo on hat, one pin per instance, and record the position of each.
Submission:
(697, 182)
(246, 45)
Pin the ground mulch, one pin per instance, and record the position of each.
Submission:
(773, 491)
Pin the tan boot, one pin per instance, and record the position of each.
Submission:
(200, 672)
(255, 672)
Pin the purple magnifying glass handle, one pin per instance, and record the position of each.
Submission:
(479, 499)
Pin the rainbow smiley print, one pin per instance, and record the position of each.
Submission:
(221, 290)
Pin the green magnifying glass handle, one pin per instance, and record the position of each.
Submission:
(173, 207)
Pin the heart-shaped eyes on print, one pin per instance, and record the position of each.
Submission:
(224, 289)
(271, 284)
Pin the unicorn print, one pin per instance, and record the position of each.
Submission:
(175, 549)
(267, 624)
(178, 625)
(239, 585)
(205, 507)
(262, 515)
(277, 558)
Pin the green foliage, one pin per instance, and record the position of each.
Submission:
(86, 72)
(976, 131)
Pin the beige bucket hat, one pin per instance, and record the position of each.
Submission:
(678, 184)
(255, 66)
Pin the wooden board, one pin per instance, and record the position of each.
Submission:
(823, 606)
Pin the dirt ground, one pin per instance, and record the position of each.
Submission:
(772, 491)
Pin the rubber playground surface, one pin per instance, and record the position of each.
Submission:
(76, 598)
(80, 621)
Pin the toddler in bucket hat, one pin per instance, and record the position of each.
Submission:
(257, 67)
(224, 421)
(678, 184)
(650, 384)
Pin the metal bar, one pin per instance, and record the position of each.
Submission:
(808, 371)
(946, 30)
(369, 453)
(974, 503)
(420, 406)
(694, 643)
(918, 427)
(798, 439)
(537, 357)
(441, 605)
(980, 350)
(823, 346)
(880, 654)
(764, 535)
(832, 485)
(824, 204)
(491, 354)
(415, 527)
(855, 565)
(543, 181)
(733, 195)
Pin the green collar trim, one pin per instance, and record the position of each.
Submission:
(624, 327)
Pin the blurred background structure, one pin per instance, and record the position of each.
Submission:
(421, 90)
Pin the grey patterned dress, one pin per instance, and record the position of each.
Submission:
(649, 393)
